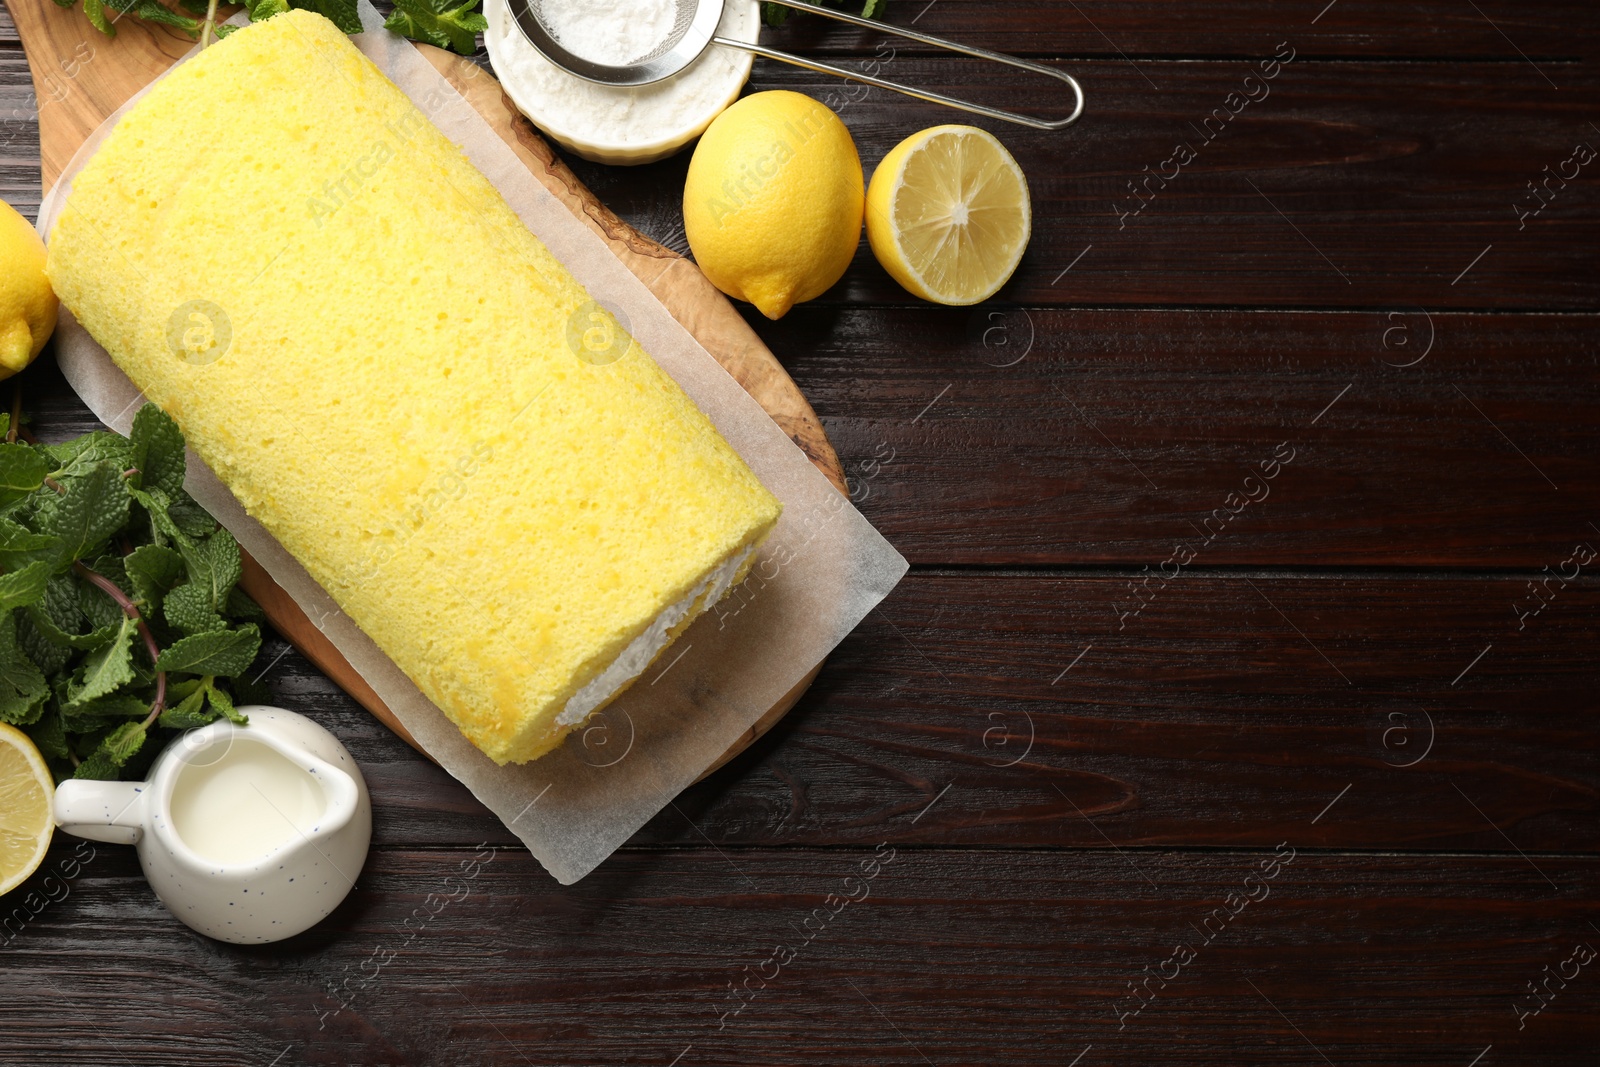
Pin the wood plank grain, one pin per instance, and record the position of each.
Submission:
(946, 957)
(19, 132)
(1233, 705)
(1145, 28)
(1365, 186)
(1007, 435)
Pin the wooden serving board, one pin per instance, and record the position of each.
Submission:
(81, 77)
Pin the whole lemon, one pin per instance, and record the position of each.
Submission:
(773, 204)
(27, 303)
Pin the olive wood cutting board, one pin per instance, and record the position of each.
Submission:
(81, 77)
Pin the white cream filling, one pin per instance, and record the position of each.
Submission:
(632, 661)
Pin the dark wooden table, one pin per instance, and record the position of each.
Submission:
(1240, 706)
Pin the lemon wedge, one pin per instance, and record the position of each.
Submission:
(948, 214)
(26, 821)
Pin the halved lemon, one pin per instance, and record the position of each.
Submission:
(948, 214)
(26, 821)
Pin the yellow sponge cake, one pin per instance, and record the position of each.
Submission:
(402, 384)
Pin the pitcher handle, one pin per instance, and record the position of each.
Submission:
(102, 811)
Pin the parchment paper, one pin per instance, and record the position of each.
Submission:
(818, 575)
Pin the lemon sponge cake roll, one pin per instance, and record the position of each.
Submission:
(402, 384)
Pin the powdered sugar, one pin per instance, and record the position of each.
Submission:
(618, 124)
(613, 32)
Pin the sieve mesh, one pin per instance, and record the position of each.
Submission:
(680, 26)
(694, 29)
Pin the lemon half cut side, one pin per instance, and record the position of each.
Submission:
(26, 820)
(948, 214)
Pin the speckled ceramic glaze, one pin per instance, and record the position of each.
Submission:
(276, 895)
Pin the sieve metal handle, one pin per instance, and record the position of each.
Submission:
(920, 94)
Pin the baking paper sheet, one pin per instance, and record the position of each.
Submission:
(818, 575)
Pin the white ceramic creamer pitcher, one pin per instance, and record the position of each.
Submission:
(247, 833)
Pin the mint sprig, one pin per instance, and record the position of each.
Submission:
(436, 22)
(120, 612)
(439, 22)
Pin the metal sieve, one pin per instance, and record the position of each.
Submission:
(695, 30)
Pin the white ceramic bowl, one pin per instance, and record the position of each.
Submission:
(618, 125)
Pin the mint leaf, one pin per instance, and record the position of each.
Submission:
(98, 768)
(105, 669)
(96, 12)
(23, 688)
(21, 588)
(49, 735)
(97, 607)
(103, 712)
(94, 507)
(77, 456)
(58, 618)
(60, 603)
(342, 13)
(775, 15)
(221, 701)
(188, 609)
(20, 546)
(189, 517)
(47, 629)
(69, 668)
(152, 11)
(114, 706)
(214, 566)
(48, 654)
(110, 566)
(436, 22)
(241, 606)
(119, 746)
(22, 470)
(157, 505)
(123, 742)
(189, 712)
(203, 702)
(225, 652)
(153, 571)
(156, 449)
